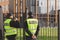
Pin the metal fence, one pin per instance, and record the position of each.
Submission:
(48, 22)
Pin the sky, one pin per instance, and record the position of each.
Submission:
(43, 5)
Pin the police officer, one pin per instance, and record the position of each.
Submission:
(31, 27)
(10, 32)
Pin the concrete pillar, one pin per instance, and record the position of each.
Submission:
(1, 22)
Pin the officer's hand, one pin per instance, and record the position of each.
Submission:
(33, 36)
(15, 19)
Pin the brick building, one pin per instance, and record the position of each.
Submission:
(4, 4)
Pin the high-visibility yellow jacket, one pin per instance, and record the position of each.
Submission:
(9, 30)
(32, 26)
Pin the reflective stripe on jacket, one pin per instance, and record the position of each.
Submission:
(32, 25)
(9, 30)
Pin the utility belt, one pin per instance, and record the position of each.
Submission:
(10, 31)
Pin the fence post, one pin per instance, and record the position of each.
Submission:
(24, 16)
(59, 25)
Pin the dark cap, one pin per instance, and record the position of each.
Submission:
(8, 15)
(30, 13)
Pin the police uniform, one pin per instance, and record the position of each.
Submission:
(31, 27)
(10, 31)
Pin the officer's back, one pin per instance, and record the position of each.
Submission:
(31, 27)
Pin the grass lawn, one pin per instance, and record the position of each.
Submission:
(45, 33)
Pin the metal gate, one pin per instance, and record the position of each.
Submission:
(44, 11)
(47, 16)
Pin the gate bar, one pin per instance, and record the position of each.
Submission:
(14, 8)
(36, 9)
(19, 11)
(24, 16)
(48, 12)
(59, 26)
(56, 11)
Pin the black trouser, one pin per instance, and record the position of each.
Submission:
(11, 37)
(1, 34)
(28, 38)
(1, 39)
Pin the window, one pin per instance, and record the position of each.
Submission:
(37, 3)
(5, 8)
(0, 0)
(3, 0)
(6, 0)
